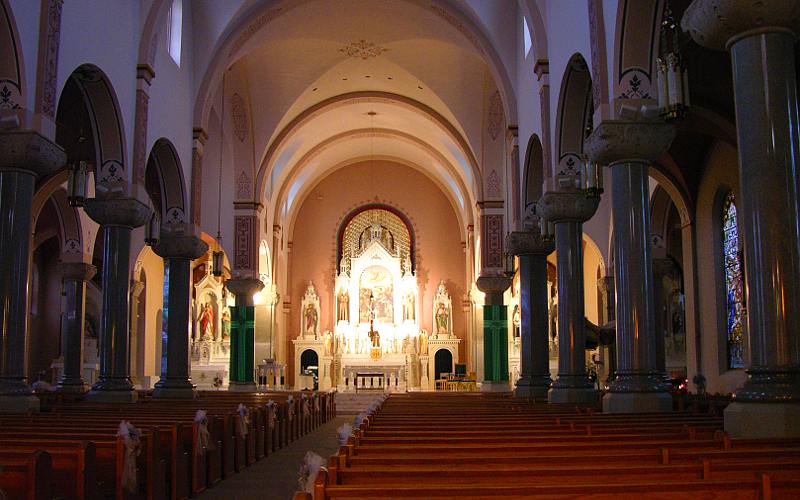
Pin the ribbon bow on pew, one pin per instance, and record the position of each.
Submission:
(130, 435)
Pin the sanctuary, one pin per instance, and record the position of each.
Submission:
(377, 341)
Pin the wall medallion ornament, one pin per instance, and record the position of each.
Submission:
(496, 117)
(362, 49)
(239, 117)
(493, 241)
(493, 185)
(243, 186)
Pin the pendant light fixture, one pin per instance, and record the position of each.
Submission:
(671, 76)
(216, 256)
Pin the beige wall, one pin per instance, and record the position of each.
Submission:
(439, 250)
(721, 174)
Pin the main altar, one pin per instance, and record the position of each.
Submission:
(377, 341)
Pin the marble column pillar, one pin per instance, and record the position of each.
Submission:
(532, 249)
(569, 210)
(242, 333)
(761, 37)
(24, 156)
(495, 333)
(629, 148)
(74, 275)
(178, 252)
(118, 217)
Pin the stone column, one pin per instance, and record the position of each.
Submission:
(532, 249)
(75, 275)
(118, 217)
(178, 252)
(24, 156)
(761, 38)
(495, 333)
(569, 210)
(629, 148)
(242, 333)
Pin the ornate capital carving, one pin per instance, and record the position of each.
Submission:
(618, 141)
(244, 286)
(129, 212)
(29, 150)
(717, 24)
(77, 271)
(493, 284)
(529, 243)
(568, 206)
(180, 246)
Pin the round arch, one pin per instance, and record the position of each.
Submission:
(425, 112)
(105, 148)
(573, 119)
(12, 66)
(534, 171)
(165, 184)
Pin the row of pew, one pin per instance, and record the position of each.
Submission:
(75, 450)
(469, 446)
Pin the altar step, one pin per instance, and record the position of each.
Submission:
(350, 403)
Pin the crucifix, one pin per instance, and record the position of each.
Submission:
(374, 336)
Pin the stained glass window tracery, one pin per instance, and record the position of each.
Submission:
(734, 289)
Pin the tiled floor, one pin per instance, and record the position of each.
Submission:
(274, 477)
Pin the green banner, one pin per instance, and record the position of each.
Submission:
(242, 338)
(495, 343)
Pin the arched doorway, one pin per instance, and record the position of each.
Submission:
(309, 366)
(443, 362)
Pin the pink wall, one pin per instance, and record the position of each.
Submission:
(439, 250)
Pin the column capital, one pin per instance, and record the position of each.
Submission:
(244, 286)
(493, 284)
(568, 206)
(118, 211)
(31, 151)
(180, 246)
(529, 243)
(80, 271)
(618, 141)
(718, 24)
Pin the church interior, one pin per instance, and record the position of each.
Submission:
(449, 248)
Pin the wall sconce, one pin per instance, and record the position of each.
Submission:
(76, 184)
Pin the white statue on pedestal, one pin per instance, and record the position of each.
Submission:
(442, 313)
(309, 318)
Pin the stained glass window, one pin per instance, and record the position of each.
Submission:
(734, 288)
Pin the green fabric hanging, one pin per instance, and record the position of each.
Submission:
(495, 343)
(242, 339)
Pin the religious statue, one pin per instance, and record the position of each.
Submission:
(442, 317)
(408, 306)
(423, 342)
(207, 322)
(375, 337)
(516, 319)
(343, 306)
(226, 324)
(328, 344)
(311, 318)
(554, 319)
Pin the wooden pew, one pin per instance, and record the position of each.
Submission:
(26, 476)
